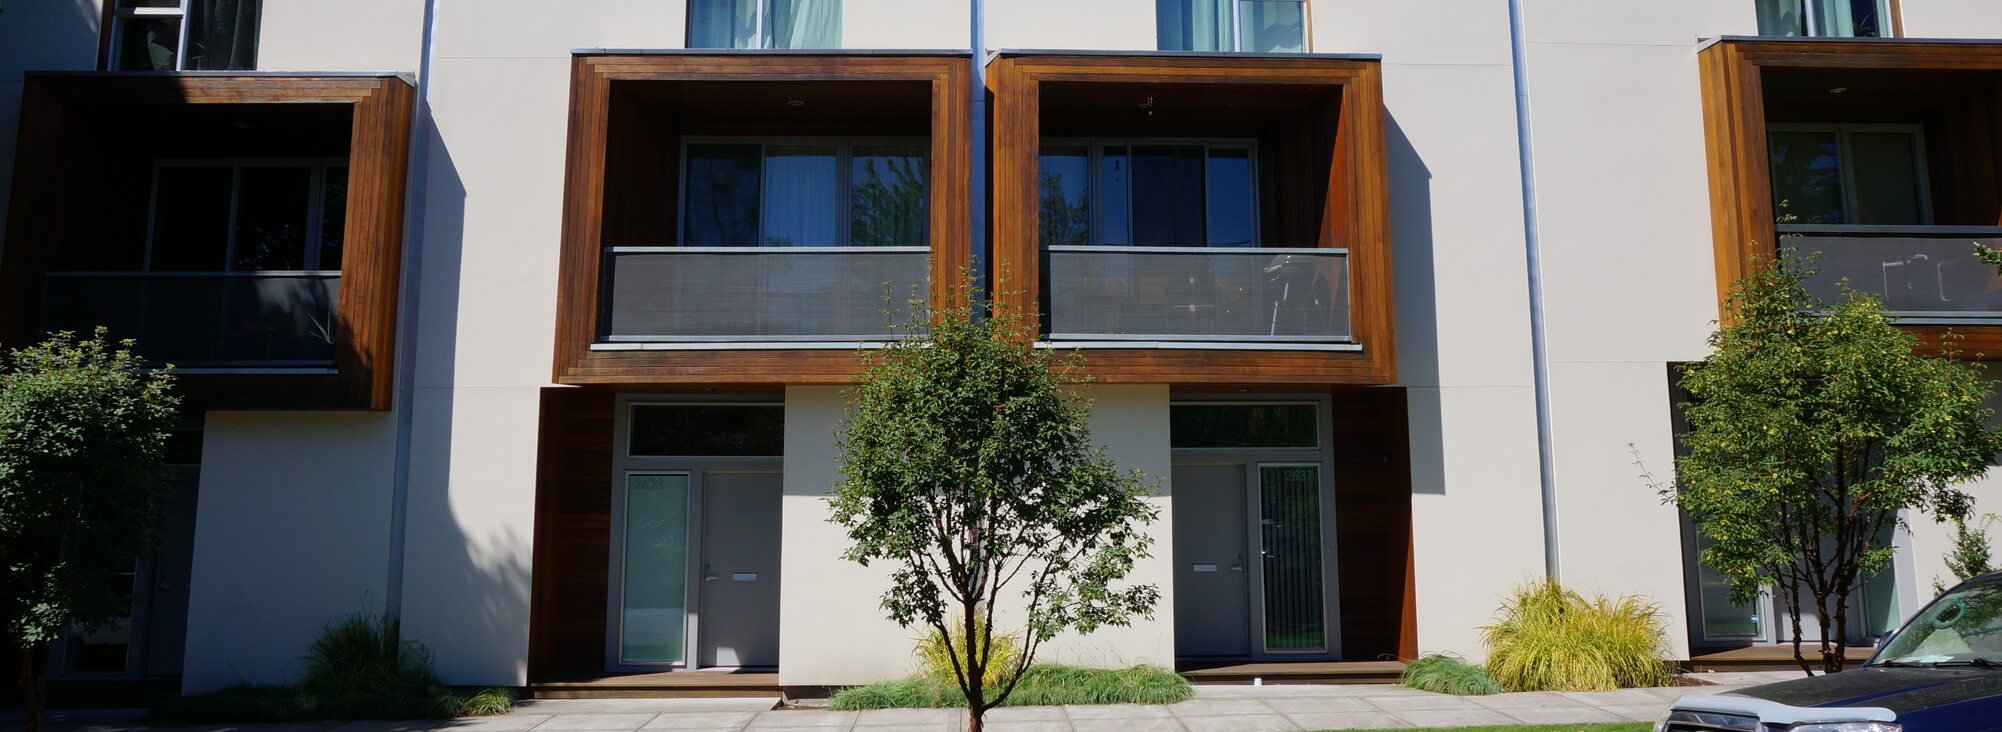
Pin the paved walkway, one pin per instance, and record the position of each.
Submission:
(1214, 709)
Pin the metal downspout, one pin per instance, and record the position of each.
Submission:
(1539, 354)
(417, 178)
(976, 199)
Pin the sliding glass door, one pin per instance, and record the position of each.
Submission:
(1289, 519)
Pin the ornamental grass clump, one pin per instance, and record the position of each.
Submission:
(1548, 638)
(935, 654)
(1444, 674)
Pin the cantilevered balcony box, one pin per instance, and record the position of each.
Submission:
(245, 227)
(1882, 155)
(755, 217)
(1204, 219)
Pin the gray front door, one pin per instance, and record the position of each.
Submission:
(1212, 577)
(173, 566)
(739, 621)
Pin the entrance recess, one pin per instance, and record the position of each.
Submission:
(695, 537)
(1254, 532)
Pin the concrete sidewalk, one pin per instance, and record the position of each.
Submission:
(1214, 709)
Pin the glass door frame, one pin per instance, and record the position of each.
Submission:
(1772, 631)
(625, 466)
(1321, 456)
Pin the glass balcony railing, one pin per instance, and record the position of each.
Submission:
(692, 295)
(1196, 294)
(1924, 273)
(203, 320)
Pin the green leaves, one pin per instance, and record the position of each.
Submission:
(83, 430)
(967, 466)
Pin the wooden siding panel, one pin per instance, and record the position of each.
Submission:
(572, 553)
(1372, 472)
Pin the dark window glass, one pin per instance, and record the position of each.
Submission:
(1113, 215)
(184, 447)
(222, 35)
(1063, 179)
(1866, 21)
(191, 218)
(1230, 197)
(333, 217)
(148, 44)
(722, 198)
(1168, 195)
(271, 209)
(1243, 426)
(708, 430)
(1807, 177)
(887, 196)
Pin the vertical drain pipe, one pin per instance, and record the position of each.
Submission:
(1539, 354)
(417, 179)
(976, 199)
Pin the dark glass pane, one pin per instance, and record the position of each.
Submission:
(887, 203)
(1866, 20)
(1168, 195)
(1230, 195)
(222, 35)
(148, 44)
(719, 430)
(191, 218)
(333, 217)
(1114, 217)
(1886, 170)
(1289, 508)
(1243, 426)
(722, 23)
(272, 204)
(1807, 177)
(1063, 180)
(722, 195)
(184, 447)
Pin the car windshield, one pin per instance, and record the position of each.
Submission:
(1963, 626)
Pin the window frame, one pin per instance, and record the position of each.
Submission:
(759, 39)
(1322, 422)
(844, 149)
(1810, 14)
(1237, 26)
(315, 209)
(1847, 164)
(121, 13)
(1095, 183)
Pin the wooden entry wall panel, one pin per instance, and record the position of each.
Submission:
(1372, 471)
(1736, 106)
(585, 189)
(1354, 214)
(48, 188)
(572, 551)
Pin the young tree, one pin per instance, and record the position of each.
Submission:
(1811, 426)
(1971, 555)
(83, 431)
(966, 466)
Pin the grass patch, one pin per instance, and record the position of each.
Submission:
(1042, 684)
(1600, 727)
(1448, 675)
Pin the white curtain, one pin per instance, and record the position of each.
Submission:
(1833, 18)
(1780, 17)
(1193, 25)
(722, 23)
(801, 196)
(803, 24)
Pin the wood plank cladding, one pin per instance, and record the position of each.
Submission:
(626, 115)
(1323, 115)
(77, 202)
(1372, 471)
(573, 510)
(1952, 89)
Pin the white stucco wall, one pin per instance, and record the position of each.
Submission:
(1951, 18)
(1121, 25)
(906, 24)
(340, 35)
(291, 531)
(831, 630)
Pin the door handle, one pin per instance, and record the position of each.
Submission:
(1238, 566)
(707, 574)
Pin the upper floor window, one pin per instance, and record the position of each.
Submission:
(804, 192)
(1850, 174)
(1264, 26)
(764, 24)
(1148, 193)
(1834, 18)
(247, 216)
(184, 35)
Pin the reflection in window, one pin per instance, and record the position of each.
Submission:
(1849, 174)
(251, 216)
(1062, 180)
(1148, 193)
(887, 195)
(1258, 26)
(794, 193)
(1832, 18)
(1266, 426)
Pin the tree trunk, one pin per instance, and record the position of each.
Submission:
(34, 684)
(975, 717)
(1793, 613)
(1829, 662)
(1833, 660)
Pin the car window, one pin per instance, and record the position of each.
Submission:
(1961, 626)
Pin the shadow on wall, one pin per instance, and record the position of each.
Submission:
(38, 35)
(465, 592)
(1417, 303)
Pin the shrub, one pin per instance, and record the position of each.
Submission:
(1548, 638)
(935, 655)
(1448, 675)
(365, 654)
(1041, 685)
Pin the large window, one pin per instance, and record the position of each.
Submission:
(1262, 26)
(1148, 193)
(797, 192)
(1833, 18)
(1850, 174)
(764, 24)
(245, 216)
(184, 35)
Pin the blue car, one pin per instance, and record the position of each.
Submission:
(1942, 672)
